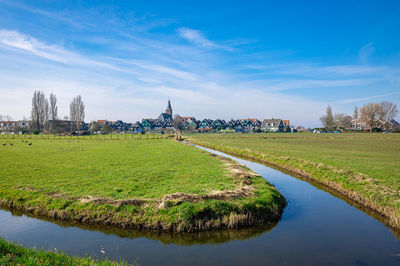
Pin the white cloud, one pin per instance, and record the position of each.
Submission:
(23, 42)
(197, 37)
(362, 99)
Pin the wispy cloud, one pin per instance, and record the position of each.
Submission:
(365, 52)
(362, 99)
(197, 37)
(29, 44)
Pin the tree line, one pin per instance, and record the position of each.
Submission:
(370, 113)
(44, 113)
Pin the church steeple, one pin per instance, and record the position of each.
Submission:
(169, 109)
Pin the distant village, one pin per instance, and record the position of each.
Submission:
(167, 122)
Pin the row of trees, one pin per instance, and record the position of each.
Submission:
(44, 113)
(330, 121)
(370, 113)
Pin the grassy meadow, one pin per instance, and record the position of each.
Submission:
(156, 184)
(363, 167)
(12, 254)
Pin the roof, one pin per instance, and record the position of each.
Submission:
(271, 121)
(150, 121)
(189, 117)
(221, 121)
(101, 122)
(164, 116)
(210, 122)
(249, 119)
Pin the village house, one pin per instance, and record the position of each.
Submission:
(178, 122)
(206, 125)
(147, 124)
(193, 122)
(219, 124)
(360, 124)
(118, 125)
(395, 124)
(184, 123)
(14, 126)
(251, 124)
(122, 126)
(138, 127)
(272, 125)
(286, 123)
(236, 125)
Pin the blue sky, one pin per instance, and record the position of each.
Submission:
(214, 59)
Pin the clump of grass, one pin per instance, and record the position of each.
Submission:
(12, 254)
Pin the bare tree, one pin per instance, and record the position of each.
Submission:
(387, 111)
(5, 118)
(342, 120)
(355, 113)
(40, 110)
(53, 112)
(370, 114)
(46, 113)
(77, 112)
(328, 120)
(346, 122)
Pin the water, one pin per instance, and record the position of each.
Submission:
(316, 228)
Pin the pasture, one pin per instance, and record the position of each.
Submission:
(149, 183)
(12, 254)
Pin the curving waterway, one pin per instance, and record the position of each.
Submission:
(317, 228)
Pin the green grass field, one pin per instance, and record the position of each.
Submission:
(364, 167)
(131, 184)
(12, 254)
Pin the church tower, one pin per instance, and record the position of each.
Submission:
(169, 109)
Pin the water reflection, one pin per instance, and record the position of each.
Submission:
(166, 238)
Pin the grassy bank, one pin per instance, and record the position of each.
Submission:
(12, 254)
(155, 184)
(363, 167)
